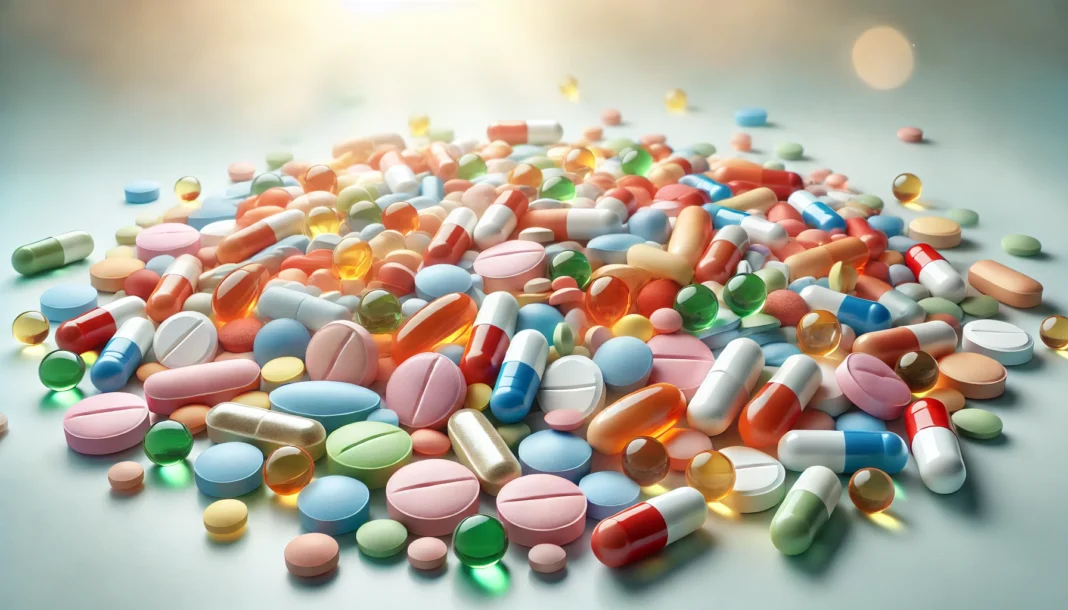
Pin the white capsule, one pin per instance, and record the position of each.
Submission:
(311, 311)
(726, 387)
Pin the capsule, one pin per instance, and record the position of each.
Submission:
(817, 262)
(760, 230)
(775, 408)
(490, 338)
(874, 240)
(479, 446)
(178, 283)
(267, 430)
(844, 452)
(537, 132)
(447, 319)
(520, 376)
(93, 328)
(805, 509)
(757, 175)
(122, 355)
(500, 219)
(692, 232)
(453, 238)
(757, 200)
(741, 187)
(261, 234)
(313, 312)
(650, 411)
(714, 190)
(935, 337)
(726, 387)
(935, 446)
(720, 260)
(578, 224)
(398, 175)
(862, 315)
(903, 310)
(441, 162)
(237, 294)
(817, 214)
(647, 527)
(52, 252)
(935, 273)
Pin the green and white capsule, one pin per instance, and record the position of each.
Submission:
(52, 252)
(804, 511)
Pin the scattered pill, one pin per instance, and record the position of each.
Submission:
(225, 517)
(1018, 244)
(977, 423)
(125, 476)
(311, 555)
(427, 553)
(547, 558)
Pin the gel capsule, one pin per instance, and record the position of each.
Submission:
(447, 319)
(843, 451)
(1054, 332)
(871, 490)
(805, 510)
(698, 306)
(712, 474)
(52, 252)
(380, 312)
(526, 132)
(239, 246)
(647, 527)
(168, 442)
(122, 355)
(61, 370)
(453, 238)
(720, 260)
(93, 328)
(30, 327)
(352, 259)
(236, 296)
(818, 333)
(935, 446)
(918, 370)
(479, 541)
(287, 470)
(775, 408)
(490, 337)
(520, 376)
(745, 294)
(607, 300)
(645, 461)
(480, 448)
(178, 283)
(650, 411)
(935, 273)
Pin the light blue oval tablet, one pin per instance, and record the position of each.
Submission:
(900, 243)
(423, 202)
(278, 338)
(612, 249)
(331, 403)
(560, 453)
(66, 301)
(751, 117)
(777, 353)
(213, 208)
(891, 225)
(437, 281)
(540, 317)
(159, 263)
(650, 225)
(141, 191)
(901, 274)
(522, 152)
(625, 363)
(412, 306)
(334, 505)
(385, 416)
(387, 200)
(859, 420)
(368, 233)
(228, 470)
(452, 352)
(608, 492)
(801, 283)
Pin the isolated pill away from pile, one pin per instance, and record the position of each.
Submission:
(52, 252)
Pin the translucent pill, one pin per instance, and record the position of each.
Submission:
(479, 541)
(819, 333)
(712, 474)
(698, 306)
(907, 187)
(30, 327)
(871, 490)
(1054, 332)
(61, 370)
(745, 294)
(918, 370)
(168, 442)
(645, 461)
(569, 88)
(675, 100)
(187, 189)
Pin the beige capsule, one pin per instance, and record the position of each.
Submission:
(267, 430)
(482, 449)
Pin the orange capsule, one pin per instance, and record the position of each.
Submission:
(650, 411)
(445, 320)
(320, 178)
(401, 217)
(237, 294)
(607, 300)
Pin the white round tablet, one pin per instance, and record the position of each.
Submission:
(760, 480)
(829, 397)
(572, 382)
(185, 339)
(1007, 343)
(214, 232)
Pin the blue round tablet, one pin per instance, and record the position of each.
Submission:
(890, 225)
(900, 243)
(334, 505)
(777, 353)
(278, 338)
(540, 317)
(608, 492)
(66, 301)
(625, 363)
(141, 191)
(751, 117)
(612, 249)
(159, 263)
(228, 470)
(860, 421)
(650, 225)
(801, 283)
(368, 233)
(386, 416)
(560, 453)
(439, 280)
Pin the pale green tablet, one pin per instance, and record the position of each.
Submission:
(369, 451)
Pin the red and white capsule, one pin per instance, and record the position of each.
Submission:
(261, 234)
(526, 132)
(452, 239)
(903, 310)
(647, 527)
(721, 258)
(178, 283)
(935, 446)
(874, 240)
(490, 337)
(935, 337)
(935, 273)
(93, 328)
(500, 218)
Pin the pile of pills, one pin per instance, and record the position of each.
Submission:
(438, 319)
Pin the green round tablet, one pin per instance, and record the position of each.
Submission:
(1018, 244)
(369, 451)
(982, 306)
(513, 434)
(869, 200)
(381, 538)
(471, 166)
(790, 151)
(939, 305)
(773, 164)
(977, 423)
(564, 339)
(963, 216)
(704, 149)
(278, 159)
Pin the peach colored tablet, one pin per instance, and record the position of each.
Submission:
(311, 555)
(425, 390)
(1004, 284)
(973, 375)
(510, 265)
(106, 423)
(126, 476)
(167, 238)
(342, 351)
(431, 497)
(427, 553)
(542, 509)
(873, 386)
(203, 384)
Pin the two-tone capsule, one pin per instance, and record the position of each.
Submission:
(816, 214)
(500, 218)
(805, 510)
(648, 527)
(452, 239)
(122, 355)
(726, 387)
(843, 451)
(537, 132)
(93, 328)
(760, 230)
(903, 310)
(862, 315)
(775, 408)
(178, 283)
(520, 376)
(935, 337)
(935, 273)
(935, 446)
(261, 234)
(817, 262)
(491, 336)
(720, 260)
(52, 252)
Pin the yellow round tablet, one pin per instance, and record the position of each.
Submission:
(126, 236)
(280, 371)
(109, 274)
(121, 252)
(225, 517)
(936, 231)
(254, 399)
(478, 395)
(634, 325)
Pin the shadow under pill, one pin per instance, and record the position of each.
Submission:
(548, 578)
(965, 501)
(481, 583)
(313, 582)
(381, 563)
(428, 575)
(817, 560)
(669, 562)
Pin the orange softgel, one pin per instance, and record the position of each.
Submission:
(401, 217)
(320, 178)
(607, 300)
(650, 411)
(236, 296)
(288, 469)
(445, 320)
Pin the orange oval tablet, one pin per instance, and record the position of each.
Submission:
(1006, 285)
(973, 375)
(952, 399)
(192, 416)
(149, 369)
(311, 555)
(109, 274)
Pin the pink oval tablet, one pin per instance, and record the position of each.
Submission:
(681, 360)
(547, 558)
(342, 351)
(565, 420)
(431, 497)
(106, 423)
(595, 337)
(239, 171)
(566, 295)
(430, 443)
(811, 419)
(202, 384)
(873, 386)
(510, 265)
(666, 320)
(910, 134)
(682, 444)
(564, 281)
(427, 553)
(168, 238)
(611, 117)
(311, 555)
(425, 390)
(542, 509)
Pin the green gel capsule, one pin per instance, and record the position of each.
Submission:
(61, 370)
(263, 182)
(52, 252)
(698, 306)
(379, 312)
(471, 166)
(805, 510)
(479, 541)
(558, 188)
(168, 442)
(745, 294)
(573, 264)
(635, 161)
(353, 194)
(363, 213)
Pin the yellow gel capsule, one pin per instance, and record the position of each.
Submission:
(352, 259)
(907, 187)
(321, 220)
(187, 189)
(30, 327)
(675, 100)
(818, 333)
(579, 160)
(569, 87)
(418, 125)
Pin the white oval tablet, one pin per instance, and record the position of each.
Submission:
(760, 480)
(538, 235)
(214, 232)
(185, 339)
(572, 382)
(1007, 343)
(829, 397)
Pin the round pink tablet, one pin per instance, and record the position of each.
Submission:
(742, 142)
(542, 509)
(611, 117)
(342, 351)
(431, 497)
(427, 553)
(106, 423)
(682, 444)
(126, 476)
(812, 419)
(310, 555)
(836, 181)
(912, 135)
(547, 558)
(239, 171)
(510, 265)
(666, 320)
(595, 337)
(873, 386)
(566, 295)
(170, 238)
(565, 420)
(430, 443)
(681, 360)
(564, 281)
(425, 390)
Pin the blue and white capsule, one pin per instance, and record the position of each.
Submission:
(843, 451)
(701, 182)
(816, 214)
(520, 376)
(863, 315)
(760, 230)
(122, 355)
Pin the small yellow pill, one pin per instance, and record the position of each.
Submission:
(280, 371)
(225, 517)
(478, 395)
(254, 399)
(634, 325)
(842, 278)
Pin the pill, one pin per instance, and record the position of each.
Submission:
(331, 403)
(805, 510)
(333, 505)
(427, 553)
(547, 558)
(648, 527)
(369, 451)
(682, 445)
(66, 301)
(625, 363)
(225, 517)
(106, 423)
(185, 339)
(542, 509)
(556, 453)
(935, 446)
(1018, 244)
(1006, 285)
(1002, 341)
(228, 470)
(936, 231)
(977, 423)
(431, 497)
(52, 252)
(381, 538)
(973, 375)
(310, 555)
(109, 275)
(482, 449)
(873, 386)
(760, 480)
(192, 417)
(126, 476)
(267, 430)
(430, 443)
